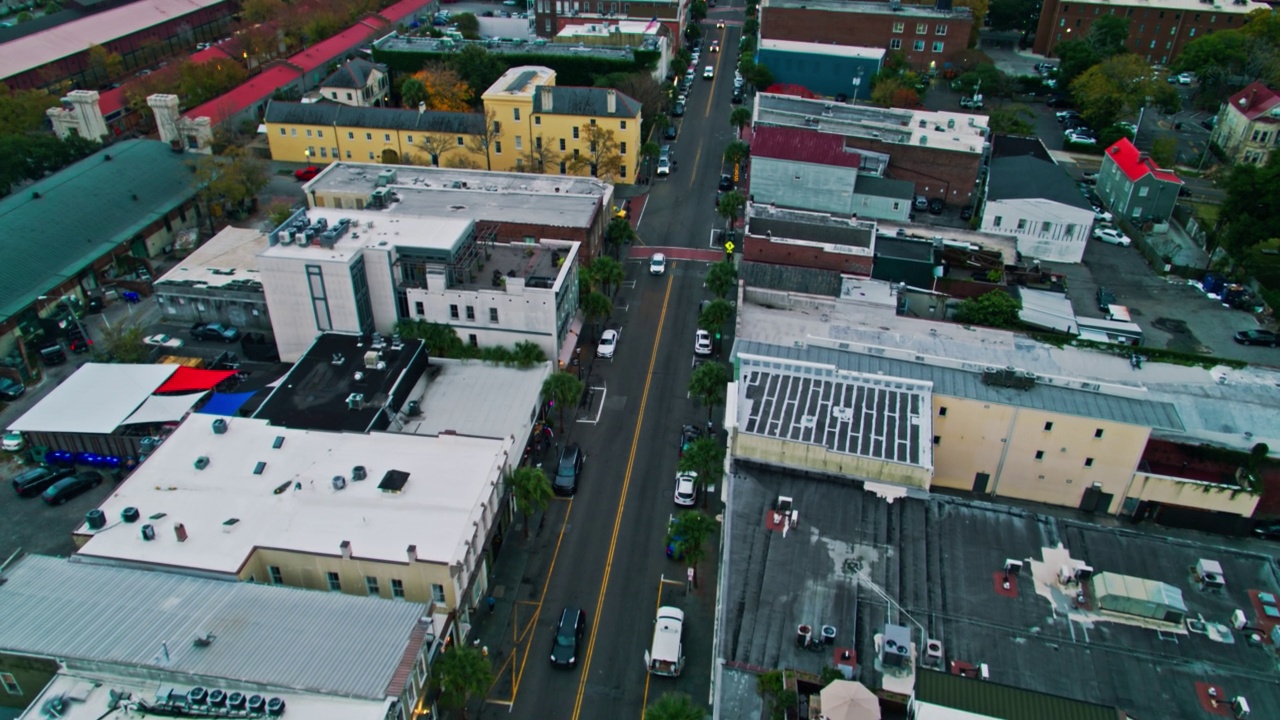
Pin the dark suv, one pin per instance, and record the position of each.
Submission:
(34, 482)
(568, 470)
(568, 637)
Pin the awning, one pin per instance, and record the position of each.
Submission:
(225, 403)
(163, 408)
(192, 379)
(95, 399)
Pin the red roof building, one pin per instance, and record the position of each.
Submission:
(1133, 186)
(1248, 124)
(806, 146)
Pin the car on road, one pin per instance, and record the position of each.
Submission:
(686, 489)
(1267, 530)
(1081, 138)
(11, 389)
(657, 264)
(13, 441)
(1112, 236)
(162, 340)
(715, 45)
(737, 96)
(69, 487)
(702, 343)
(34, 481)
(568, 638)
(215, 331)
(1184, 78)
(726, 182)
(688, 434)
(669, 133)
(677, 110)
(719, 26)
(1064, 115)
(971, 103)
(664, 166)
(1257, 337)
(608, 343)
(307, 173)
(708, 72)
(1106, 299)
(568, 470)
(1103, 215)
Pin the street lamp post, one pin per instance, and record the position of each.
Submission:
(857, 83)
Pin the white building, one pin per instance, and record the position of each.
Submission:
(358, 83)
(1035, 201)
(361, 271)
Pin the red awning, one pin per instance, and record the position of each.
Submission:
(193, 379)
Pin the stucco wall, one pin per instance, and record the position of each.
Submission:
(1193, 494)
(786, 453)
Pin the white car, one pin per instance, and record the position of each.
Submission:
(13, 441)
(162, 340)
(664, 166)
(719, 26)
(1184, 78)
(708, 72)
(657, 264)
(1081, 139)
(1103, 215)
(686, 489)
(1112, 236)
(702, 343)
(608, 343)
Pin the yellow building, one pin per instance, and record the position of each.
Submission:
(529, 125)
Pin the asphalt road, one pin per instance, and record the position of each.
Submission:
(605, 549)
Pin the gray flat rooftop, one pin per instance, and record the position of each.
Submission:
(876, 8)
(505, 46)
(961, 132)
(549, 200)
(229, 258)
(937, 560)
(534, 263)
(767, 220)
(477, 399)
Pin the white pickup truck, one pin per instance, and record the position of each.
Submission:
(666, 656)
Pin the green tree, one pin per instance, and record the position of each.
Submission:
(1117, 87)
(674, 706)
(896, 91)
(563, 390)
(478, 68)
(619, 233)
(697, 11)
(468, 24)
(1164, 150)
(705, 458)
(608, 273)
(596, 306)
(761, 77)
(739, 118)
(530, 491)
(31, 156)
(730, 208)
(22, 111)
(412, 92)
(1252, 207)
(996, 309)
(603, 158)
(1013, 14)
(722, 279)
(527, 354)
(736, 151)
(715, 315)
(229, 183)
(123, 342)
(1012, 120)
(689, 533)
(461, 673)
(480, 143)
(1075, 56)
(1108, 35)
(708, 384)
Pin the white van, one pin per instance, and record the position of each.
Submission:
(666, 655)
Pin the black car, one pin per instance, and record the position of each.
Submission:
(51, 353)
(936, 206)
(669, 133)
(67, 488)
(1105, 299)
(569, 634)
(677, 110)
(215, 331)
(1268, 530)
(726, 182)
(11, 389)
(1184, 191)
(966, 213)
(33, 482)
(737, 96)
(1257, 337)
(568, 470)
(688, 434)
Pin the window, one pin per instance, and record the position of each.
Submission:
(1193, 32)
(624, 127)
(370, 154)
(899, 27)
(418, 309)
(276, 577)
(371, 584)
(497, 146)
(622, 148)
(516, 112)
(282, 132)
(1046, 226)
(1039, 454)
(562, 147)
(1097, 433)
(437, 590)
(397, 588)
(308, 132)
(942, 411)
(293, 132)
(409, 139)
(493, 314)
(918, 46)
(453, 312)
(519, 143)
(497, 128)
(11, 685)
(895, 44)
(922, 28)
(937, 47)
(562, 163)
(1070, 232)
(940, 30)
(368, 136)
(622, 171)
(471, 312)
(1022, 223)
(537, 119)
(351, 136)
(575, 132)
(319, 300)
(1088, 462)
(472, 339)
(997, 221)
(460, 143)
(1142, 191)
(593, 122)
(335, 582)
(348, 154)
(1048, 426)
(937, 439)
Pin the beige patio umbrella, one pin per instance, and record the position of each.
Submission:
(849, 700)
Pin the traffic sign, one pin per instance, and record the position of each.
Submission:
(728, 246)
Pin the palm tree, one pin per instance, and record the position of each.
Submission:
(674, 706)
(563, 390)
(596, 306)
(722, 278)
(705, 457)
(461, 673)
(736, 151)
(609, 273)
(715, 315)
(730, 207)
(530, 490)
(708, 384)
(527, 354)
(740, 118)
(619, 232)
(689, 533)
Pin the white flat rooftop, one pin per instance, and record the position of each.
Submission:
(1225, 6)
(854, 51)
(479, 399)
(229, 257)
(371, 229)
(958, 132)
(97, 398)
(229, 511)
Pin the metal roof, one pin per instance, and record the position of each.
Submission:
(585, 102)
(354, 74)
(379, 118)
(83, 212)
(144, 621)
(983, 698)
(962, 383)
(96, 399)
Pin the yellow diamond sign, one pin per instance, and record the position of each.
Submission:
(728, 247)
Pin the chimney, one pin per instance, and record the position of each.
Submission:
(545, 94)
(413, 553)
(181, 531)
(422, 106)
(346, 549)
(611, 101)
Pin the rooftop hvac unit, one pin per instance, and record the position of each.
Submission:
(202, 462)
(95, 519)
(339, 482)
(130, 514)
(359, 473)
(197, 695)
(220, 426)
(235, 701)
(386, 177)
(1239, 707)
(933, 650)
(275, 707)
(217, 697)
(256, 704)
(148, 532)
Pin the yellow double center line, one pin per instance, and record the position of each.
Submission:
(622, 503)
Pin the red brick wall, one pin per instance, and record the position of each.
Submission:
(590, 237)
(764, 250)
(1169, 29)
(936, 172)
(870, 30)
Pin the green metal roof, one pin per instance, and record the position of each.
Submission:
(53, 229)
(992, 700)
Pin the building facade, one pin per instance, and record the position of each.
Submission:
(1037, 203)
(1158, 32)
(318, 133)
(552, 16)
(824, 69)
(1132, 185)
(218, 282)
(926, 35)
(808, 240)
(1248, 125)
(358, 83)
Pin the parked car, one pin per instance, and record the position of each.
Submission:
(936, 206)
(11, 389)
(51, 353)
(34, 481)
(1267, 530)
(677, 110)
(971, 102)
(669, 133)
(686, 493)
(1185, 78)
(726, 182)
(657, 264)
(1103, 215)
(215, 331)
(1257, 337)
(1081, 139)
(1112, 236)
(69, 487)
(702, 342)
(736, 99)
(966, 213)
(568, 638)
(13, 441)
(568, 470)
(307, 173)
(608, 343)
(664, 166)
(1064, 115)
(162, 340)
(1106, 299)
(688, 434)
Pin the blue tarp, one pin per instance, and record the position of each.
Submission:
(225, 403)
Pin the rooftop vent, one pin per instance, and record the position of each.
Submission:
(339, 482)
(220, 426)
(259, 468)
(355, 401)
(394, 481)
(1009, 377)
(359, 473)
(148, 532)
(279, 442)
(230, 524)
(130, 514)
(202, 462)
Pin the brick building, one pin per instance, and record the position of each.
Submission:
(1157, 31)
(817, 241)
(925, 34)
(552, 16)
